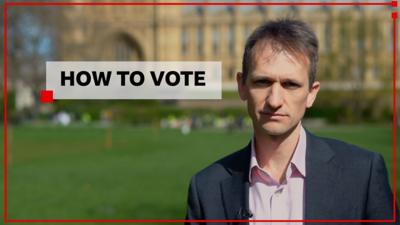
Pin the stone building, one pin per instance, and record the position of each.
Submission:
(355, 42)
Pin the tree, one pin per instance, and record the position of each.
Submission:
(30, 43)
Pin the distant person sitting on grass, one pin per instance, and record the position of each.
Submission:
(285, 172)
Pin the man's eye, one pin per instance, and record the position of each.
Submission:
(290, 85)
(262, 82)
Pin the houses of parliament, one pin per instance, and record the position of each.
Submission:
(355, 41)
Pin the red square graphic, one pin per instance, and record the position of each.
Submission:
(46, 96)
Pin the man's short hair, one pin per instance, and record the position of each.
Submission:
(290, 35)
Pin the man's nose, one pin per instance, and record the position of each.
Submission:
(275, 96)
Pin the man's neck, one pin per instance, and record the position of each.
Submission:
(275, 152)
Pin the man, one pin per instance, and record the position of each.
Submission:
(285, 172)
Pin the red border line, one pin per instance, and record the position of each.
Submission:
(394, 16)
(203, 3)
(5, 109)
(180, 221)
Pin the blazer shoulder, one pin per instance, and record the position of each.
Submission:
(223, 168)
(341, 147)
(350, 154)
(357, 180)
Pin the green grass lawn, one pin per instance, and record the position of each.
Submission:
(70, 173)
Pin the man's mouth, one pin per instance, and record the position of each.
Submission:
(273, 114)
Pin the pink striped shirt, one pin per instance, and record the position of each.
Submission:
(271, 200)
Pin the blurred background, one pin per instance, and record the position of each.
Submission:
(81, 159)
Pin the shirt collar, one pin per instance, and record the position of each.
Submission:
(298, 159)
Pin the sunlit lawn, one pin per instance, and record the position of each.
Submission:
(77, 173)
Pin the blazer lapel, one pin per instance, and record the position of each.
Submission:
(235, 197)
(320, 183)
(321, 178)
(235, 189)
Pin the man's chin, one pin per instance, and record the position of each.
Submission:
(276, 130)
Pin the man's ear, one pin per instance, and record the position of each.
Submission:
(312, 95)
(242, 87)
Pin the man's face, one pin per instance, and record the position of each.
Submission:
(277, 91)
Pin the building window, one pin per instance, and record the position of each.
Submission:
(125, 48)
(247, 32)
(230, 9)
(123, 51)
(185, 40)
(344, 72)
(376, 71)
(231, 38)
(328, 37)
(376, 35)
(200, 40)
(344, 37)
(200, 10)
(360, 36)
(215, 39)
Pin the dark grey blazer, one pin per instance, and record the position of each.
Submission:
(343, 182)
